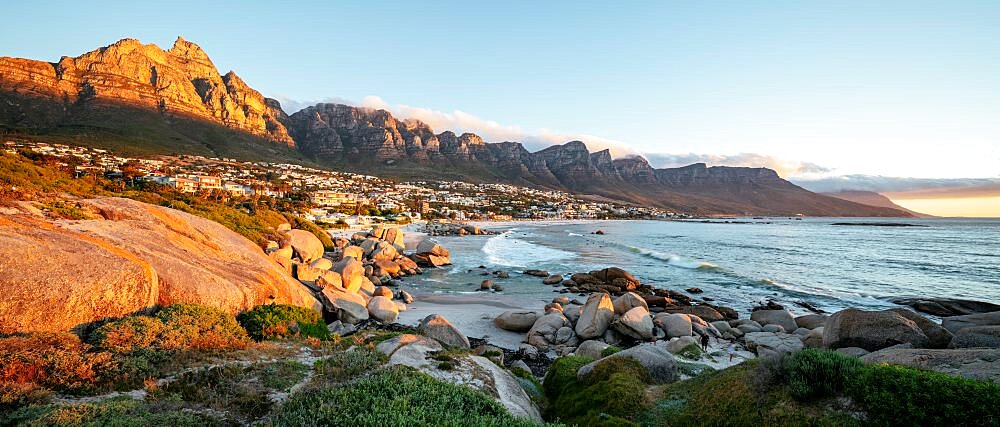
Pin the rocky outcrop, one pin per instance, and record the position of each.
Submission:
(180, 81)
(61, 275)
(945, 307)
(955, 324)
(662, 366)
(871, 330)
(980, 364)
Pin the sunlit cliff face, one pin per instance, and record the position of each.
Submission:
(981, 207)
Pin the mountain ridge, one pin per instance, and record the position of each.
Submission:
(179, 91)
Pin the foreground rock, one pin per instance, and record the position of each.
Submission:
(430, 254)
(517, 320)
(437, 327)
(306, 245)
(656, 359)
(871, 330)
(945, 307)
(595, 316)
(60, 275)
(772, 344)
(474, 371)
(980, 364)
(955, 324)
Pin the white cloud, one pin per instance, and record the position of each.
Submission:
(784, 167)
(906, 188)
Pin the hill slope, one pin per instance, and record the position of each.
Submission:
(872, 198)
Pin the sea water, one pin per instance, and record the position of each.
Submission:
(737, 264)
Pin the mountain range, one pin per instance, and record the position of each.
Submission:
(141, 98)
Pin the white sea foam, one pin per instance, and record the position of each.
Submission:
(673, 260)
(505, 249)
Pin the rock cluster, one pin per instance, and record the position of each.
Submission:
(442, 228)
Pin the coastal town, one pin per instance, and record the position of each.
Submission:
(338, 198)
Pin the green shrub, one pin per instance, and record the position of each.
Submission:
(113, 412)
(891, 393)
(273, 321)
(397, 396)
(612, 394)
(175, 327)
(611, 349)
(56, 361)
(692, 351)
(562, 374)
(813, 373)
(347, 365)
(228, 388)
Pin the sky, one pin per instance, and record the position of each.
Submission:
(887, 94)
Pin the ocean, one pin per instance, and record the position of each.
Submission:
(738, 265)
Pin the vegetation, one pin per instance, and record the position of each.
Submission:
(395, 396)
(32, 365)
(347, 365)
(613, 394)
(112, 412)
(611, 349)
(276, 321)
(175, 327)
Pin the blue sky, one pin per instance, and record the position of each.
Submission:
(904, 89)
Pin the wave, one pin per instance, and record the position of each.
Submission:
(672, 260)
(504, 249)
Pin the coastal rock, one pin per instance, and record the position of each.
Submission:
(776, 342)
(328, 279)
(656, 359)
(382, 291)
(572, 312)
(635, 323)
(306, 245)
(430, 254)
(553, 280)
(946, 307)
(980, 364)
(871, 330)
(781, 318)
(352, 273)
(322, 264)
(708, 314)
(438, 327)
(595, 317)
(616, 276)
(674, 324)
(393, 235)
(561, 300)
(977, 336)
(628, 301)
(543, 333)
(383, 309)
(937, 336)
(384, 267)
(853, 351)
(811, 321)
(677, 344)
(406, 297)
(516, 320)
(537, 273)
(486, 285)
(591, 349)
(814, 339)
(348, 307)
(773, 328)
(354, 252)
(956, 323)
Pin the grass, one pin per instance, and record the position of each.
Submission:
(113, 412)
(395, 396)
(613, 394)
(347, 365)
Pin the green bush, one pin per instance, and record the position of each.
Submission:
(611, 349)
(562, 374)
(175, 327)
(813, 373)
(891, 393)
(347, 365)
(397, 396)
(613, 393)
(229, 388)
(273, 321)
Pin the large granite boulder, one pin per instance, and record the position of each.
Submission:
(628, 301)
(781, 318)
(517, 320)
(811, 321)
(978, 363)
(937, 336)
(352, 273)
(348, 307)
(871, 330)
(437, 327)
(636, 323)
(957, 323)
(306, 245)
(61, 275)
(707, 313)
(945, 307)
(543, 333)
(595, 317)
(354, 252)
(977, 336)
(383, 309)
(772, 343)
(430, 254)
(656, 359)
(591, 349)
(674, 324)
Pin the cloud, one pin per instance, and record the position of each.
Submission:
(784, 167)
(906, 188)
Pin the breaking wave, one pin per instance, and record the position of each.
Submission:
(504, 249)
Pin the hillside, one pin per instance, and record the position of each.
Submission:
(141, 99)
(872, 198)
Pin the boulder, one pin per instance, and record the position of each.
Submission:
(561, 300)
(407, 298)
(486, 285)
(781, 318)
(957, 323)
(553, 307)
(572, 312)
(384, 251)
(367, 286)
(322, 264)
(351, 273)
(543, 333)
(348, 307)
(811, 321)
(814, 339)
(628, 301)
(553, 280)
(354, 252)
(328, 279)
(709, 314)
(776, 342)
(747, 328)
(437, 327)
(871, 330)
(773, 328)
(537, 273)
(591, 349)
(305, 272)
(937, 336)
(978, 363)
(383, 309)
(977, 336)
(674, 324)
(392, 235)
(516, 320)
(617, 277)
(306, 245)
(656, 359)
(635, 323)
(60, 275)
(595, 317)
(384, 267)
(946, 307)
(430, 254)
(340, 242)
(382, 291)
(853, 351)
(675, 345)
